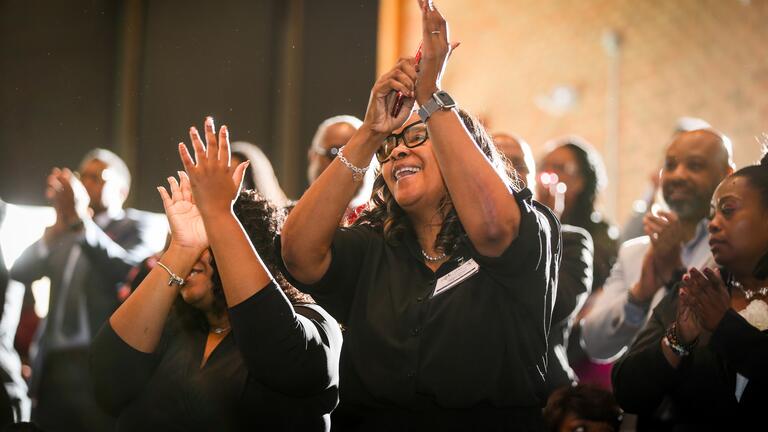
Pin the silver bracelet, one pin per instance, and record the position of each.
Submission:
(357, 172)
(173, 278)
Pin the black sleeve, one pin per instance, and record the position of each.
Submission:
(534, 241)
(643, 376)
(741, 345)
(29, 267)
(118, 371)
(289, 352)
(575, 277)
(336, 289)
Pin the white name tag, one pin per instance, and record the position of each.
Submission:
(455, 277)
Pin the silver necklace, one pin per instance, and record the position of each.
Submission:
(432, 258)
(750, 294)
(219, 330)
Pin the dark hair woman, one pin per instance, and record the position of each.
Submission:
(244, 350)
(446, 283)
(579, 166)
(706, 346)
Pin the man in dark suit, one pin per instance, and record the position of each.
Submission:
(86, 253)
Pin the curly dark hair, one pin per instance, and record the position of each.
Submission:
(262, 221)
(757, 176)
(386, 216)
(586, 402)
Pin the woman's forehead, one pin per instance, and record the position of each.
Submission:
(412, 119)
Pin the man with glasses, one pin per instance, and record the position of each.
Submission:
(86, 253)
(332, 134)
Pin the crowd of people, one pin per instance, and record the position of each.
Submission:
(473, 289)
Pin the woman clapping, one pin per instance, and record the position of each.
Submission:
(445, 284)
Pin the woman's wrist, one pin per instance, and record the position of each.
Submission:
(423, 95)
(182, 253)
(371, 138)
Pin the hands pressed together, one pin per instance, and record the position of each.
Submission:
(704, 300)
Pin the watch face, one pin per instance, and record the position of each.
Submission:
(445, 99)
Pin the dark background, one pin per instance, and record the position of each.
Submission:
(132, 76)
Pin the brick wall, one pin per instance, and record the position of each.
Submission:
(704, 58)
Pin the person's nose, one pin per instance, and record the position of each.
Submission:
(714, 224)
(400, 151)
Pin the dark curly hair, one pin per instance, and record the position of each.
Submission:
(262, 221)
(757, 176)
(386, 216)
(586, 402)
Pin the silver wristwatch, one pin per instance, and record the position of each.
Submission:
(439, 100)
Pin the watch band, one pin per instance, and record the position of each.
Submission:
(438, 100)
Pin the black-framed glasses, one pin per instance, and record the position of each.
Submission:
(414, 135)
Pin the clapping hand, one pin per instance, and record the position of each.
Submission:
(666, 236)
(69, 198)
(187, 230)
(215, 182)
(709, 298)
(435, 49)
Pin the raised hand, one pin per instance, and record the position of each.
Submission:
(187, 230)
(215, 182)
(666, 236)
(435, 50)
(402, 79)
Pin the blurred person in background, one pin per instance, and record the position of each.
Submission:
(86, 253)
(575, 277)
(260, 175)
(651, 195)
(570, 176)
(578, 165)
(331, 135)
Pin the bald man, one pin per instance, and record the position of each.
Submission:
(695, 163)
(330, 136)
(519, 154)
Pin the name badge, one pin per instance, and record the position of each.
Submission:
(456, 276)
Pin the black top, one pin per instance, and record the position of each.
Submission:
(702, 389)
(480, 346)
(573, 286)
(276, 370)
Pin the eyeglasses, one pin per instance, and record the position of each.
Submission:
(414, 135)
(330, 153)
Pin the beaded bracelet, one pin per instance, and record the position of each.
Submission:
(673, 342)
